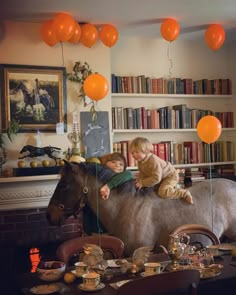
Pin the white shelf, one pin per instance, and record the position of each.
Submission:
(29, 178)
(195, 165)
(162, 130)
(151, 95)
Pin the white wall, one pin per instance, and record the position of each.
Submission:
(22, 44)
(195, 60)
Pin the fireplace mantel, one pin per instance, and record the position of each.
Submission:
(26, 192)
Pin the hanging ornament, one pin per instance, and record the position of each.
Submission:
(209, 129)
(89, 35)
(215, 37)
(109, 35)
(96, 86)
(76, 36)
(170, 29)
(47, 33)
(64, 26)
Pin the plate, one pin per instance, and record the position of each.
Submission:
(210, 272)
(115, 262)
(99, 287)
(226, 247)
(44, 289)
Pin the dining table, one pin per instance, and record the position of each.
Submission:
(222, 283)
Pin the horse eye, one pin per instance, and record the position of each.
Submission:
(61, 206)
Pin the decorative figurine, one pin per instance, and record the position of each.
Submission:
(40, 151)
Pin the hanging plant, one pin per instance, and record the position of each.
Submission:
(79, 74)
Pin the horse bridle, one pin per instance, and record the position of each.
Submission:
(79, 205)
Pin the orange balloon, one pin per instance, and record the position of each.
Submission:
(215, 36)
(89, 35)
(64, 26)
(96, 86)
(77, 33)
(170, 29)
(209, 129)
(47, 33)
(109, 35)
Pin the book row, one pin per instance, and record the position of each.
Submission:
(169, 117)
(143, 84)
(187, 152)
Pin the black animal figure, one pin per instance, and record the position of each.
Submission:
(140, 220)
(38, 152)
(30, 98)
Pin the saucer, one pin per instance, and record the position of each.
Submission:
(146, 274)
(212, 271)
(99, 287)
(44, 289)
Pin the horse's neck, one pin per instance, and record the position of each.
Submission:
(25, 92)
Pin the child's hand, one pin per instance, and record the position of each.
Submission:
(105, 192)
(138, 184)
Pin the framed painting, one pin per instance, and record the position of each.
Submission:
(95, 134)
(33, 95)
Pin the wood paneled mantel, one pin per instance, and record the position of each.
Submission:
(27, 192)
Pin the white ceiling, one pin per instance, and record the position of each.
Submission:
(131, 17)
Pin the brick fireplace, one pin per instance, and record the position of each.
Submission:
(23, 223)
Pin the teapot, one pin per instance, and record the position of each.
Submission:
(176, 248)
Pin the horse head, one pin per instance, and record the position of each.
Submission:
(70, 194)
(21, 86)
(25, 148)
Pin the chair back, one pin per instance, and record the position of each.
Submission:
(197, 230)
(176, 282)
(73, 249)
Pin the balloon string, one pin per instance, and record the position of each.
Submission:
(62, 54)
(97, 207)
(170, 60)
(210, 174)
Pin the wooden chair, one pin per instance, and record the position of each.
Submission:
(72, 250)
(194, 230)
(177, 282)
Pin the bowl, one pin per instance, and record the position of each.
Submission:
(50, 270)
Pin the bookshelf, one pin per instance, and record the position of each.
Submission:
(215, 103)
(182, 96)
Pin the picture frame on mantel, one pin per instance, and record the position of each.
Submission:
(33, 95)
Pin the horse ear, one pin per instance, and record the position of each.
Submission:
(67, 166)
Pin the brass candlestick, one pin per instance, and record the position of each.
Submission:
(75, 138)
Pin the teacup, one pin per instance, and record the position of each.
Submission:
(153, 268)
(91, 280)
(80, 268)
(233, 252)
(213, 250)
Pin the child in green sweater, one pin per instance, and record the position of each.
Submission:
(117, 163)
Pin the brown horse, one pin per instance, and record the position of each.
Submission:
(137, 219)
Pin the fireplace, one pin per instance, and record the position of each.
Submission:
(22, 230)
(23, 223)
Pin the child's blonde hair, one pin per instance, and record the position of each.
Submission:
(141, 144)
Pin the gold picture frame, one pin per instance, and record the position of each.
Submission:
(33, 95)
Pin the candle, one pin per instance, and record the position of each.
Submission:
(38, 139)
